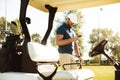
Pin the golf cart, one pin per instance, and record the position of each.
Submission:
(31, 59)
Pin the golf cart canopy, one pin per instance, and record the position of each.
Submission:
(64, 5)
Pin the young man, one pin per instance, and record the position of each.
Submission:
(65, 37)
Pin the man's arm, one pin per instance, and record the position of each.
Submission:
(61, 42)
(77, 51)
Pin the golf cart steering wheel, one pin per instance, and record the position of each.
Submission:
(98, 49)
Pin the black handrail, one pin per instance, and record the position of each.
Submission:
(52, 11)
(31, 66)
(23, 8)
(80, 65)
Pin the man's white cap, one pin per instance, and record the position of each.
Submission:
(72, 17)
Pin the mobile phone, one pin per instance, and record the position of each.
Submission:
(79, 35)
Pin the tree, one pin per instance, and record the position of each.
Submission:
(112, 37)
(13, 26)
(53, 42)
(36, 37)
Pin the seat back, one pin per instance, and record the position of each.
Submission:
(41, 53)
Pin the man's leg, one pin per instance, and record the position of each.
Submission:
(64, 59)
(72, 60)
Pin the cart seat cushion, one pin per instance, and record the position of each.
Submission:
(82, 74)
(60, 75)
(18, 76)
(41, 53)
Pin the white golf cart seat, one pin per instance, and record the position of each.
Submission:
(40, 54)
(83, 74)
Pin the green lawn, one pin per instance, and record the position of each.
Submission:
(102, 72)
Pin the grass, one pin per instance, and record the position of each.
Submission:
(102, 72)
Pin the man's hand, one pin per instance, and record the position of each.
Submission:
(80, 59)
(75, 39)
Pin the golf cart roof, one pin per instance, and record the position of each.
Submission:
(64, 5)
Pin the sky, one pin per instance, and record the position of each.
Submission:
(93, 17)
(108, 17)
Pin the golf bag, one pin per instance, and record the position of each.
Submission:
(10, 54)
